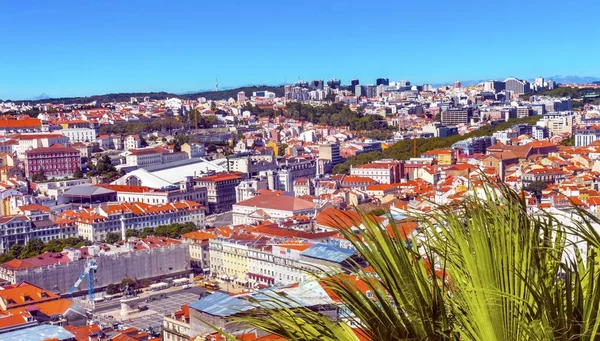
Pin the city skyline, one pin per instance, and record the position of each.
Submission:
(83, 49)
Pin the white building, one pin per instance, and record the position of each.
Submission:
(152, 156)
(271, 206)
(80, 134)
(32, 141)
(249, 188)
(128, 193)
(94, 224)
(132, 142)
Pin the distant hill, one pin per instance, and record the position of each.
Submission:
(574, 79)
(125, 97)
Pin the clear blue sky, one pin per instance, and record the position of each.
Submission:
(84, 47)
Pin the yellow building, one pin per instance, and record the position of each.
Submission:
(277, 150)
(444, 157)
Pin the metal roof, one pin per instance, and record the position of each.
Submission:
(87, 191)
(38, 333)
(328, 252)
(219, 304)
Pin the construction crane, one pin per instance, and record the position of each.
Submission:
(90, 268)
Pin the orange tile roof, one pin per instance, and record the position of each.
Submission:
(13, 319)
(199, 235)
(49, 308)
(21, 123)
(34, 207)
(25, 294)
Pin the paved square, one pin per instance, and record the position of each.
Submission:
(159, 308)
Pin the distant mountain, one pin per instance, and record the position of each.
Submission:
(41, 96)
(125, 97)
(574, 79)
(557, 79)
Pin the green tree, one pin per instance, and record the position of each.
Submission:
(484, 269)
(128, 281)
(5, 257)
(15, 250)
(112, 238)
(39, 176)
(78, 174)
(112, 289)
(33, 248)
(536, 188)
(147, 231)
(144, 283)
(131, 233)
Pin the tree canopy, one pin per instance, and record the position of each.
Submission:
(35, 247)
(403, 150)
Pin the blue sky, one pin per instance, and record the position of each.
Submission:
(84, 47)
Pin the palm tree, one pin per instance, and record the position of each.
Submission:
(484, 269)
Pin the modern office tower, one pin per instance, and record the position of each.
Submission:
(354, 83)
(301, 84)
(517, 86)
(382, 81)
(317, 84)
(358, 91)
(334, 83)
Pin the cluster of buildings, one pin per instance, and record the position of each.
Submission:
(262, 191)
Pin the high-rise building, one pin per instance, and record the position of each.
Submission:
(334, 83)
(317, 84)
(457, 85)
(301, 84)
(404, 84)
(382, 81)
(241, 97)
(517, 86)
(524, 111)
(456, 116)
(354, 83)
(358, 90)
(330, 151)
(368, 91)
(495, 86)
(539, 82)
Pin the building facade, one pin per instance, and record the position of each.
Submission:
(55, 161)
(221, 190)
(80, 134)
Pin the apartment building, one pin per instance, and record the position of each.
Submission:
(95, 223)
(199, 249)
(31, 141)
(56, 161)
(456, 116)
(256, 262)
(270, 206)
(132, 142)
(383, 171)
(221, 190)
(585, 135)
(148, 195)
(15, 229)
(176, 325)
(152, 156)
(80, 134)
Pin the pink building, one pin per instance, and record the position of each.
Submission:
(56, 161)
